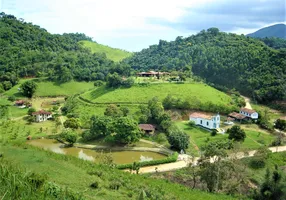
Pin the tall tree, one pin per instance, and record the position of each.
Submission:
(29, 88)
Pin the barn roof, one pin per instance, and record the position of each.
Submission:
(236, 115)
(247, 110)
(147, 127)
(41, 112)
(202, 115)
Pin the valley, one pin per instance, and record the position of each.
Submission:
(81, 120)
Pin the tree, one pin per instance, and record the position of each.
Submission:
(280, 124)
(100, 127)
(4, 112)
(125, 130)
(113, 110)
(73, 123)
(215, 173)
(69, 136)
(177, 138)
(113, 80)
(236, 133)
(29, 88)
(274, 186)
(31, 110)
(98, 83)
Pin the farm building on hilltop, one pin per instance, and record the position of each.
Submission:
(152, 74)
(205, 120)
(42, 115)
(22, 104)
(252, 114)
(147, 128)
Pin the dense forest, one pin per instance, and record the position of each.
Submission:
(225, 60)
(27, 50)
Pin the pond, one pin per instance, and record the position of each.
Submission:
(119, 157)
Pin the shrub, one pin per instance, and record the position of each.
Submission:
(213, 133)
(169, 159)
(12, 98)
(30, 111)
(98, 83)
(257, 163)
(94, 185)
(72, 123)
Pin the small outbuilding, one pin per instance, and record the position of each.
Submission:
(252, 114)
(147, 128)
(42, 115)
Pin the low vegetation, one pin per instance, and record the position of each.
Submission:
(111, 53)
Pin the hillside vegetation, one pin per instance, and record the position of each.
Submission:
(51, 89)
(277, 30)
(111, 53)
(27, 50)
(142, 94)
(225, 60)
(192, 95)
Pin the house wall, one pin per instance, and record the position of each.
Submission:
(207, 123)
(40, 118)
(252, 116)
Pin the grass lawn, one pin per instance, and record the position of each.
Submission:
(111, 53)
(52, 89)
(199, 136)
(4, 101)
(140, 94)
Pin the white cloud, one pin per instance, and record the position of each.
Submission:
(111, 22)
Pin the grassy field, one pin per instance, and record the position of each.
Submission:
(198, 137)
(140, 94)
(111, 53)
(52, 89)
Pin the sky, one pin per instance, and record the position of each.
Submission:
(136, 24)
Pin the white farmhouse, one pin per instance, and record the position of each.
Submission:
(249, 113)
(42, 115)
(205, 120)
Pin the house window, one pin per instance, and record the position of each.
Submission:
(201, 121)
(207, 123)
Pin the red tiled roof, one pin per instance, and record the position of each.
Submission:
(41, 112)
(20, 102)
(236, 115)
(147, 127)
(201, 115)
(247, 110)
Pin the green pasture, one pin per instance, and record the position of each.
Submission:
(111, 53)
(141, 94)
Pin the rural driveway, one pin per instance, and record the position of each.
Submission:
(247, 102)
(186, 160)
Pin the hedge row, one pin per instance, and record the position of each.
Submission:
(169, 159)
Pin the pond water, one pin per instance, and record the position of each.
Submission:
(119, 157)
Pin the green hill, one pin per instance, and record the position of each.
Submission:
(193, 95)
(226, 60)
(277, 30)
(27, 50)
(111, 53)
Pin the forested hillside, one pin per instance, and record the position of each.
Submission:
(225, 60)
(277, 30)
(27, 50)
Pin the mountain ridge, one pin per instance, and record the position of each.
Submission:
(277, 30)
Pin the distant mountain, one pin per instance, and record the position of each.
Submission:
(111, 53)
(277, 30)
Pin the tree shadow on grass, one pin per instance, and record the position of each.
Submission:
(98, 92)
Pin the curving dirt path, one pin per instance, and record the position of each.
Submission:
(247, 102)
